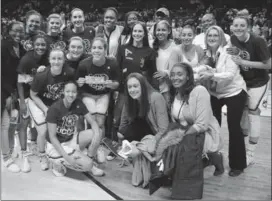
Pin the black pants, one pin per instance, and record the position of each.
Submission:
(235, 105)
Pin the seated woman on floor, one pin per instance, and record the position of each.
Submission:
(191, 109)
(65, 145)
(144, 119)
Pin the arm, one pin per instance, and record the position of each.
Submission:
(257, 64)
(124, 118)
(34, 96)
(97, 135)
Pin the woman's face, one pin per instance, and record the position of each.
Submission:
(132, 19)
(213, 38)
(17, 32)
(56, 60)
(239, 27)
(187, 36)
(98, 50)
(138, 33)
(178, 77)
(110, 19)
(70, 92)
(134, 88)
(162, 31)
(33, 23)
(77, 19)
(40, 46)
(54, 25)
(76, 49)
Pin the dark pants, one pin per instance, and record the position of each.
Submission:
(235, 106)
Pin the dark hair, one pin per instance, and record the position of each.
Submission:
(188, 86)
(133, 107)
(145, 38)
(127, 30)
(71, 82)
(114, 10)
(10, 25)
(156, 41)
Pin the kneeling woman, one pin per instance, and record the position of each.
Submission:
(144, 119)
(65, 145)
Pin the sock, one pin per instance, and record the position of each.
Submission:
(255, 128)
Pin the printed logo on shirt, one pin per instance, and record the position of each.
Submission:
(246, 56)
(127, 52)
(98, 81)
(54, 91)
(27, 44)
(68, 125)
(60, 44)
(87, 45)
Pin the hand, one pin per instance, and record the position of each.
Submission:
(233, 51)
(159, 75)
(207, 75)
(81, 81)
(72, 160)
(41, 69)
(45, 111)
(23, 109)
(29, 79)
(109, 84)
(238, 60)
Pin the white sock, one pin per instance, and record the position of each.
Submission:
(255, 128)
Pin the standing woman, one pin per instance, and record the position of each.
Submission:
(110, 31)
(97, 76)
(54, 34)
(33, 25)
(78, 29)
(11, 52)
(164, 46)
(46, 88)
(254, 59)
(130, 19)
(76, 52)
(26, 70)
(187, 52)
(227, 87)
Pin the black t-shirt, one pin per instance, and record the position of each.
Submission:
(56, 42)
(255, 49)
(65, 118)
(74, 64)
(49, 87)
(87, 35)
(27, 42)
(108, 71)
(29, 65)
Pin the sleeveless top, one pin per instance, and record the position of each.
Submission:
(193, 62)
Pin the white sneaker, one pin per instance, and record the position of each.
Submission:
(101, 158)
(44, 161)
(110, 157)
(58, 169)
(95, 171)
(11, 166)
(26, 165)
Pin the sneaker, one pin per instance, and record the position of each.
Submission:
(110, 157)
(58, 169)
(44, 161)
(14, 154)
(26, 165)
(100, 155)
(11, 166)
(95, 171)
(250, 158)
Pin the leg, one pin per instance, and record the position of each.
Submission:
(41, 141)
(217, 108)
(23, 132)
(237, 154)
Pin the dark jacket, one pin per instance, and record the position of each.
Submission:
(183, 164)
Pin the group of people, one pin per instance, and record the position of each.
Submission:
(64, 83)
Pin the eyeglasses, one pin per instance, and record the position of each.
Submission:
(17, 31)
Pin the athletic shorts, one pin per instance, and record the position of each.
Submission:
(255, 95)
(96, 104)
(37, 115)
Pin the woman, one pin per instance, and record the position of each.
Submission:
(33, 25)
(11, 51)
(144, 119)
(130, 19)
(65, 146)
(76, 52)
(26, 70)
(110, 31)
(97, 76)
(187, 52)
(54, 34)
(227, 87)
(78, 29)
(46, 88)
(251, 53)
(164, 47)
